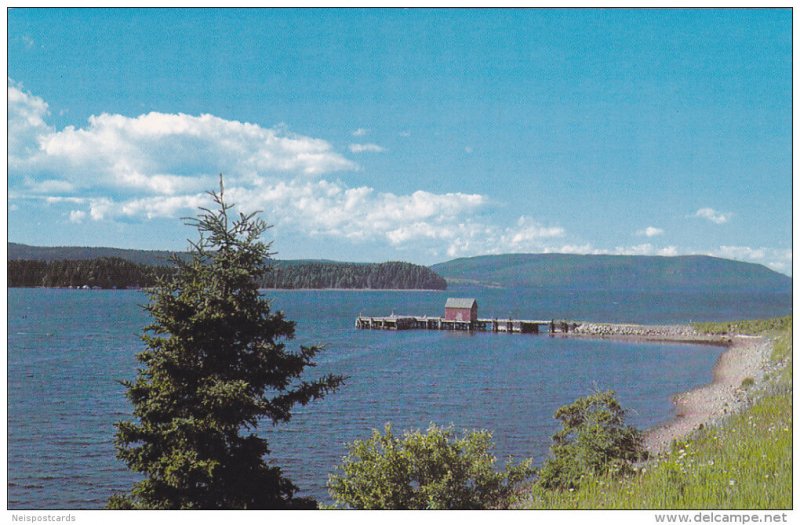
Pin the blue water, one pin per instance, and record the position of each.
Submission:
(67, 349)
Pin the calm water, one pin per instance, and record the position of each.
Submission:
(67, 349)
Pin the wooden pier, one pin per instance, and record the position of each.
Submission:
(412, 322)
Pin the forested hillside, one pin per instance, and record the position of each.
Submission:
(106, 272)
(113, 272)
(389, 275)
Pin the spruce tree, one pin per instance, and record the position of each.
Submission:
(215, 367)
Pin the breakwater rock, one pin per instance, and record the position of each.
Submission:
(676, 332)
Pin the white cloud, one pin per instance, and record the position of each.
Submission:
(741, 252)
(528, 231)
(644, 249)
(777, 259)
(366, 148)
(29, 42)
(156, 153)
(159, 165)
(650, 231)
(26, 124)
(360, 132)
(712, 215)
(332, 209)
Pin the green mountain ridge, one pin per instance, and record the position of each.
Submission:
(565, 271)
(613, 272)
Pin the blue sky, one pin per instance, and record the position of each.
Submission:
(419, 135)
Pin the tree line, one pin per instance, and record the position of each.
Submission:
(114, 272)
(389, 275)
(105, 272)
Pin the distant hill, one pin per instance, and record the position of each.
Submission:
(18, 252)
(613, 272)
(118, 268)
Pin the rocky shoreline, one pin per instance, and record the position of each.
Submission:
(677, 333)
(740, 368)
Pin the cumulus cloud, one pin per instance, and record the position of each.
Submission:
(650, 231)
(778, 259)
(27, 127)
(366, 148)
(155, 153)
(741, 252)
(159, 165)
(712, 215)
(333, 209)
(645, 249)
(360, 132)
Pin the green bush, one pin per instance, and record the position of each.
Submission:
(433, 470)
(594, 440)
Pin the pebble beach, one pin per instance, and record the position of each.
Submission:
(746, 357)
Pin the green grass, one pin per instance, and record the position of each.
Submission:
(745, 463)
(751, 327)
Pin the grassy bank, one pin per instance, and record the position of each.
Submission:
(745, 463)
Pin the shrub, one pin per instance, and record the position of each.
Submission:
(433, 470)
(594, 440)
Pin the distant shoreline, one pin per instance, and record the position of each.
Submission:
(352, 289)
(260, 289)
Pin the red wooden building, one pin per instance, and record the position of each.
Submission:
(456, 309)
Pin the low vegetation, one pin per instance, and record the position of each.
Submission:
(745, 463)
(432, 470)
(753, 327)
(594, 440)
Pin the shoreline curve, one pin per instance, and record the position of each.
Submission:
(745, 357)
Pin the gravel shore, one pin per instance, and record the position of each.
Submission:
(745, 357)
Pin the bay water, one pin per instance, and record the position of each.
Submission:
(68, 349)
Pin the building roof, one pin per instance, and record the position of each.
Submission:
(456, 302)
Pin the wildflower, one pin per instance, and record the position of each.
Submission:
(732, 482)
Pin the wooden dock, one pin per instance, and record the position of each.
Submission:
(412, 322)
